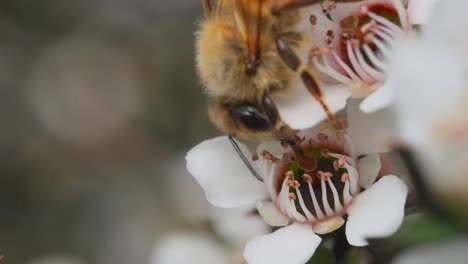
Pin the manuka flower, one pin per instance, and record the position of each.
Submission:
(428, 90)
(313, 188)
(350, 51)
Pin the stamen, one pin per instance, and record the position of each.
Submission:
(336, 198)
(330, 71)
(306, 211)
(397, 4)
(375, 74)
(382, 48)
(307, 178)
(384, 21)
(255, 157)
(292, 196)
(345, 177)
(295, 213)
(390, 41)
(360, 71)
(325, 203)
(345, 67)
(353, 178)
(318, 211)
(346, 196)
(375, 61)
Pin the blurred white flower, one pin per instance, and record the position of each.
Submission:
(351, 49)
(191, 248)
(300, 189)
(56, 259)
(83, 90)
(428, 88)
(453, 252)
(233, 228)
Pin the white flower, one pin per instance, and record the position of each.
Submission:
(428, 89)
(186, 246)
(444, 252)
(311, 188)
(233, 228)
(350, 52)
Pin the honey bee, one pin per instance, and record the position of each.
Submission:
(247, 52)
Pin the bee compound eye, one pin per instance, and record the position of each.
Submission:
(253, 118)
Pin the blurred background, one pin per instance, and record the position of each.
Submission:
(99, 104)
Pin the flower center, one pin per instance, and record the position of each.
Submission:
(360, 50)
(317, 186)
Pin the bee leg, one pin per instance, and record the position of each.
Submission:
(207, 7)
(309, 79)
(294, 4)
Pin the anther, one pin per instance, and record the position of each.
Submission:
(292, 196)
(369, 38)
(267, 155)
(345, 177)
(355, 43)
(306, 177)
(290, 175)
(313, 20)
(296, 184)
(339, 163)
(255, 157)
(364, 10)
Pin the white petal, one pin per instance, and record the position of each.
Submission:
(369, 167)
(300, 110)
(198, 248)
(266, 167)
(223, 176)
(441, 25)
(420, 11)
(420, 102)
(377, 212)
(271, 214)
(238, 225)
(370, 132)
(380, 99)
(294, 244)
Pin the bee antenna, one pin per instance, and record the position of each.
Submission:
(244, 159)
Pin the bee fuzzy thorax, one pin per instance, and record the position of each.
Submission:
(222, 52)
(247, 56)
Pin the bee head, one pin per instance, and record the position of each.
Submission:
(249, 119)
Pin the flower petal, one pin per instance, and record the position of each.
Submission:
(300, 110)
(238, 225)
(369, 167)
(198, 248)
(417, 85)
(294, 244)
(379, 99)
(377, 212)
(420, 11)
(370, 131)
(271, 214)
(223, 176)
